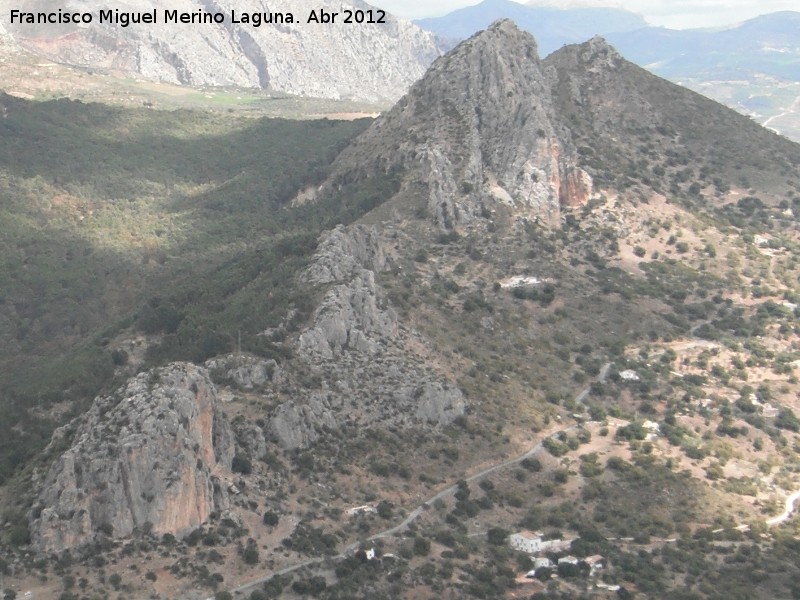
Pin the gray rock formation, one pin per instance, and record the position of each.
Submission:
(439, 403)
(367, 361)
(369, 62)
(145, 457)
(350, 317)
(343, 251)
(252, 439)
(479, 129)
(246, 372)
(295, 425)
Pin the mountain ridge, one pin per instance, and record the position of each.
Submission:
(494, 136)
(640, 332)
(322, 60)
(752, 67)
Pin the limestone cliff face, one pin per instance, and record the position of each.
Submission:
(369, 364)
(350, 318)
(344, 250)
(478, 129)
(145, 457)
(298, 425)
(245, 372)
(375, 62)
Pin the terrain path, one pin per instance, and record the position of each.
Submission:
(449, 491)
(415, 514)
(790, 110)
(789, 508)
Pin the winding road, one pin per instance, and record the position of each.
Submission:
(415, 514)
(412, 516)
(789, 508)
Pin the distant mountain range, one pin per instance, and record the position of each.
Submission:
(552, 27)
(769, 45)
(753, 67)
(369, 62)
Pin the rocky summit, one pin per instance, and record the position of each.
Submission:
(371, 62)
(481, 130)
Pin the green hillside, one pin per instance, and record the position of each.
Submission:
(175, 221)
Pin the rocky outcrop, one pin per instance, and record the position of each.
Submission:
(575, 188)
(251, 438)
(439, 403)
(345, 250)
(244, 371)
(146, 457)
(478, 129)
(370, 62)
(365, 359)
(350, 317)
(354, 314)
(295, 425)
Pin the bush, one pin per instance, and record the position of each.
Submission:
(422, 547)
(497, 536)
(250, 554)
(241, 464)
(554, 447)
(786, 419)
(533, 465)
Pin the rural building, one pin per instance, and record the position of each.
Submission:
(526, 542)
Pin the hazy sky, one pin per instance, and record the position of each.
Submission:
(677, 14)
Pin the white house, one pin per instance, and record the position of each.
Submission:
(595, 562)
(568, 560)
(361, 510)
(652, 427)
(526, 541)
(555, 545)
(610, 588)
(629, 375)
(543, 563)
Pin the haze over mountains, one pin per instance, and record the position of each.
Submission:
(552, 27)
(754, 68)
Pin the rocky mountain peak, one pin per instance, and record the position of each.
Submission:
(480, 127)
(595, 55)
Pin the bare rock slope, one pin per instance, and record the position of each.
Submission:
(479, 129)
(147, 457)
(372, 366)
(371, 62)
